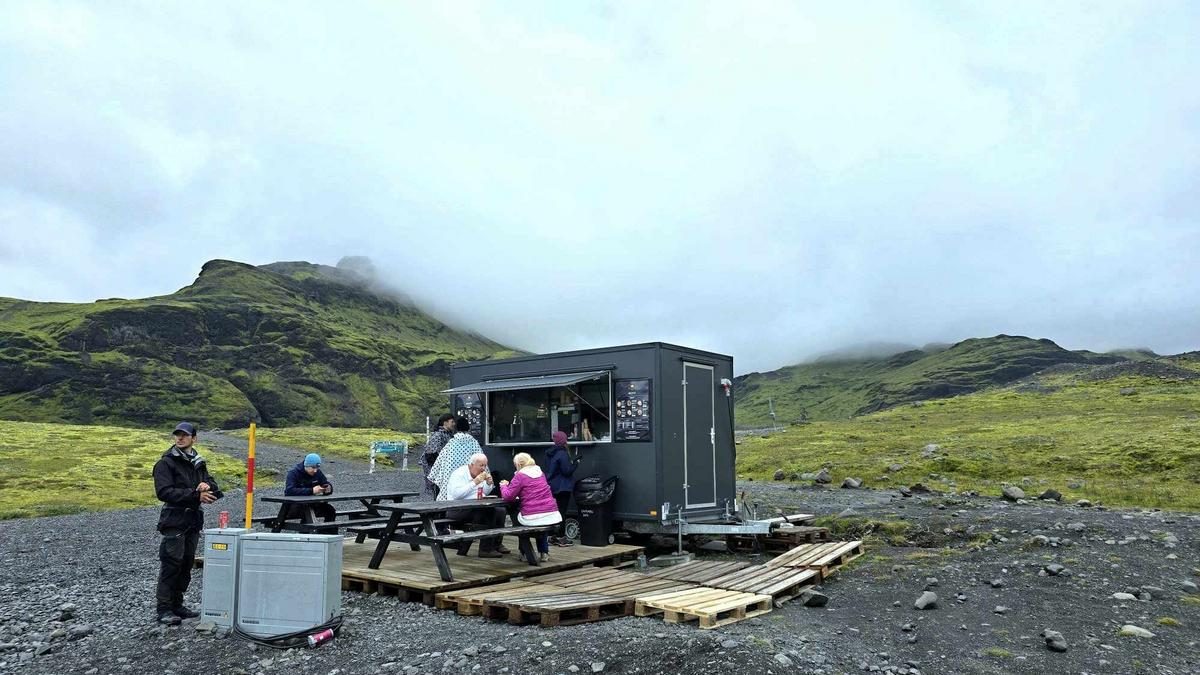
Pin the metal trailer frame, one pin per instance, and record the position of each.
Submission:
(681, 480)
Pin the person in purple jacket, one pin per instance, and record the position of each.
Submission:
(537, 502)
(560, 472)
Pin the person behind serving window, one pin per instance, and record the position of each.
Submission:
(538, 506)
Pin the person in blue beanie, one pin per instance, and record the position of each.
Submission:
(305, 480)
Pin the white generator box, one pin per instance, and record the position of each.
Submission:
(218, 595)
(288, 582)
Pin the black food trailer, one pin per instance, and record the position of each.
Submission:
(657, 416)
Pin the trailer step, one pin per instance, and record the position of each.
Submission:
(826, 558)
(711, 607)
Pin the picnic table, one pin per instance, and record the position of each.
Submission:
(301, 507)
(423, 531)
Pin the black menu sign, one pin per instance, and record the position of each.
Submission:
(470, 406)
(633, 410)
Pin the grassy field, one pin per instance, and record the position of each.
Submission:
(53, 469)
(1127, 441)
(354, 444)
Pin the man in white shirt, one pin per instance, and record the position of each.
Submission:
(472, 481)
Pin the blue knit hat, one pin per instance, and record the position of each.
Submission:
(312, 459)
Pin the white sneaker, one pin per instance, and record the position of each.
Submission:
(545, 557)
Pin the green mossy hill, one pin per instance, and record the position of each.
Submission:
(55, 469)
(841, 388)
(1122, 439)
(284, 344)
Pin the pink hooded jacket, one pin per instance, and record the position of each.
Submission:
(529, 484)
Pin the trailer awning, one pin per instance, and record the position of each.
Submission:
(536, 382)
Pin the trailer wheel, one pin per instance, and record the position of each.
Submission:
(612, 538)
(571, 528)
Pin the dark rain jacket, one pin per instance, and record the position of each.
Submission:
(175, 481)
(559, 469)
(300, 484)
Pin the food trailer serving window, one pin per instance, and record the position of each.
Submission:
(527, 410)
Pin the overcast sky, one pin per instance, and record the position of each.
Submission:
(769, 180)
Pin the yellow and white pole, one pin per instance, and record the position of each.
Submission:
(250, 480)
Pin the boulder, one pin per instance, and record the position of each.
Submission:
(1055, 641)
(1012, 493)
(1051, 495)
(779, 474)
(823, 477)
(851, 483)
(1130, 630)
(928, 600)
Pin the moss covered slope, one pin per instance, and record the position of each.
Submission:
(281, 345)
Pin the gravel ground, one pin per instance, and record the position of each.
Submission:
(76, 596)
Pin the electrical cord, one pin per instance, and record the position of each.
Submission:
(289, 640)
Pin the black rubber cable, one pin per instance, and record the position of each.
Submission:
(289, 640)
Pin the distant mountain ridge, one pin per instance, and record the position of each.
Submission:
(282, 344)
(837, 388)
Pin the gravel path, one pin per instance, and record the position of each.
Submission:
(76, 597)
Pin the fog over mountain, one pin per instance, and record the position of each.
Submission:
(771, 180)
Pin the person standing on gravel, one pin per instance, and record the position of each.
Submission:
(182, 482)
(433, 447)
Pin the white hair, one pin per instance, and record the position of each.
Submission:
(478, 458)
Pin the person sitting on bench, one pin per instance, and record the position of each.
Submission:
(305, 480)
(473, 481)
(538, 506)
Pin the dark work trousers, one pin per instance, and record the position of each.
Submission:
(564, 501)
(325, 511)
(486, 519)
(177, 553)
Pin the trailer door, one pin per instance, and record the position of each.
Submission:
(699, 436)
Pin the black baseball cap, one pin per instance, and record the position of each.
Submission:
(186, 427)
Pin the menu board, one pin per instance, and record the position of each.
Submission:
(632, 410)
(470, 406)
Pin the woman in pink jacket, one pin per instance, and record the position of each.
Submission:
(537, 502)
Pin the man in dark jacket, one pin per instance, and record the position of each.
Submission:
(305, 480)
(429, 454)
(560, 472)
(182, 483)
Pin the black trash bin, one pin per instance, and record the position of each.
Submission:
(594, 497)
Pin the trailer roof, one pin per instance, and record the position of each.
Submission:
(584, 352)
(535, 382)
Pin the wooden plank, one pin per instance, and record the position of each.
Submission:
(827, 556)
(562, 609)
(699, 571)
(711, 608)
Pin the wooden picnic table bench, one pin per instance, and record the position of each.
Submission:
(301, 508)
(427, 534)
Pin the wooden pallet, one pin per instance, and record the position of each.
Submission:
(711, 607)
(781, 583)
(698, 571)
(470, 601)
(826, 557)
(615, 583)
(564, 608)
(781, 539)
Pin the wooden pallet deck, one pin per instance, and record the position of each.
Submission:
(698, 571)
(613, 582)
(781, 539)
(412, 575)
(781, 583)
(470, 601)
(563, 608)
(711, 607)
(826, 558)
